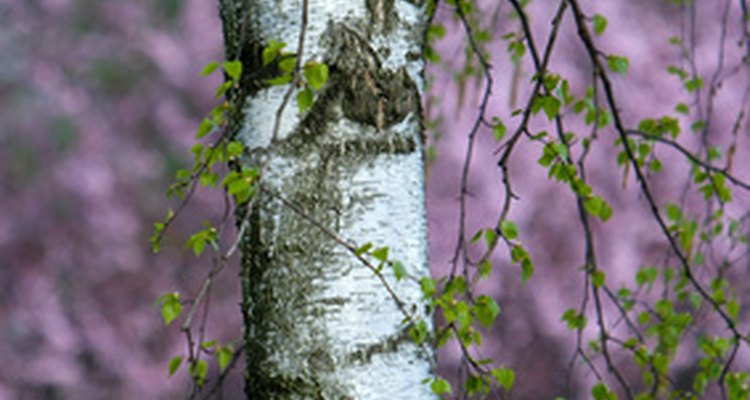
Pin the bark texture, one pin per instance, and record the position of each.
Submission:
(319, 325)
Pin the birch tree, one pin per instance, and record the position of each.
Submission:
(328, 110)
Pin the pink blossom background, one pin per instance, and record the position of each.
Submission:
(99, 101)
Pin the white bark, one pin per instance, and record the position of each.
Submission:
(319, 324)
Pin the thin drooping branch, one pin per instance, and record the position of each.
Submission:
(622, 131)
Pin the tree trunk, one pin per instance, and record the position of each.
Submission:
(318, 323)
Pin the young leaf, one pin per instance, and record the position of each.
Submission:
(233, 69)
(551, 107)
(380, 254)
(271, 51)
(618, 64)
(399, 270)
(224, 356)
(505, 377)
(304, 99)
(174, 365)
(287, 64)
(316, 74)
(171, 308)
(440, 386)
(600, 24)
(498, 128)
(209, 68)
(429, 286)
(597, 278)
(486, 310)
(205, 127)
(198, 371)
(509, 229)
(363, 249)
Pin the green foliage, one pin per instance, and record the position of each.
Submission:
(200, 239)
(305, 99)
(316, 74)
(440, 386)
(509, 229)
(520, 256)
(174, 364)
(600, 391)
(574, 319)
(272, 51)
(504, 377)
(224, 356)
(618, 64)
(198, 372)
(171, 307)
(600, 24)
(498, 128)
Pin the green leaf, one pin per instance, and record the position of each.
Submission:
(597, 278)
(574, 320)
(646, 275)
(171, 308)
(430, 55)
(498, 128)
(618, 64)
(674, 213)
(280, 80)
(435, 31)
(440, 386)
(399, 270)
(380, 254)
(156, 235)
(485, 268)
(489, 237)
(677, 71)
(600, 24)
(733, 308)
(271, 51)
(235, 149)
(198, 240)
(598, 207)
(655, 165)
(223, 88)
(209, 179)
(174, 365)
(551, 107)
(305, 99)
(419, 332)
(505, 377)
(509, 229)
(694, 84)
(363, 249)
(198, 371)
(486, 310)
(233, 69)
(316, 74)
(682, 108)
(224, 356)
(209, 69)
(205, 127)
(477, 236)
(519, 255)
(287, 64)
(429, 286)
(600, 391)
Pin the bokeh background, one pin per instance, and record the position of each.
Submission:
(99, 102)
